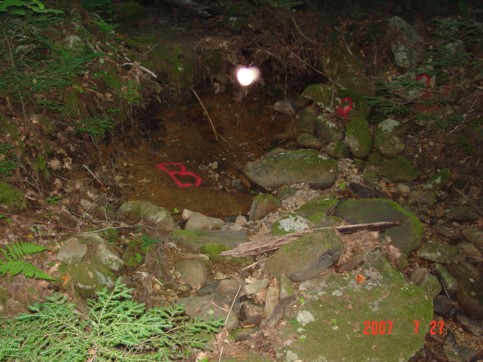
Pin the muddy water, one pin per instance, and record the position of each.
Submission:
(245, 131)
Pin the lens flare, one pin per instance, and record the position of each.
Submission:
(247, 76)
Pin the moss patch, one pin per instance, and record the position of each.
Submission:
(13, 199)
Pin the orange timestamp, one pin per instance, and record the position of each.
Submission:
(384, 327)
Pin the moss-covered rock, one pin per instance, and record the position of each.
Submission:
(438, 179)
(306, 121)
(405, 236)
(386, 139)
(129, 11)
(302, 258)
(327, 130)
(263, 204)
(358, 137)
(343, 320)
(138, 211)
(322, 94)
(324, 204)
(12, 199)
(197, 239)
(309, 141)
(398, 169)
(284, 167)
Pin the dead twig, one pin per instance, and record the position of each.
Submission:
(206, 112)
(263, 245)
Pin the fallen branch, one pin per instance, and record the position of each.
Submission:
(258, 246)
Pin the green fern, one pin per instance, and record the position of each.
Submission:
(13, 264)
(115, 328)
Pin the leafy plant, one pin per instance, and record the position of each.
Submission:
(96, 126)
(12, 261)
(24, 7)
(53, 200)
(115, 328)
(8, 160)
(147, 241)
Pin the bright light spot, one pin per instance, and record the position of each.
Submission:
(247, 76)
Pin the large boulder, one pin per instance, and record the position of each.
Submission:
(284, 167)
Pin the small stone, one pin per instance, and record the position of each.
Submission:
(443, 306)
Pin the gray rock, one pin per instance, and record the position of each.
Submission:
(72, 250)
(193, 272)
(327, 130)
(284, 107)
(306, 122)
(406, 43)
(438, 252)
(309, 141)
(474, 235)
(428, 282)
(462, 213)
(386, 141)
(263, 204)
(197, 221)
(227, 290)
(423, 197)
(283, 167)
(255, 287)
(307, 256)
(406, 236)
(450, 283)
(205, 308)
(251, 313)
(443, 306)
(138, 211)
(398, 169)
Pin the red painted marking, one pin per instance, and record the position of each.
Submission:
(181, 171)
(427, 82)
(343, 110)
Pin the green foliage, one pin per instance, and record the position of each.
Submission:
(25, 7)
(8, 160)
(282, 4)
(115, 328)
(96, 126)
(53, 200)
(147, 241)
(12, 261)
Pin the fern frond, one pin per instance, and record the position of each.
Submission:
(22, 267)
(21, 250)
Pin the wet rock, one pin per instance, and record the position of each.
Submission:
(309, 141)
(205, 308)
(406, 43)
(428, 282)
(386, 140)
(327, 130)
(284, 167)
(438, 179)
(358, 137)
(438, 252)
(450, 283)
(12, 199)
(263, 204)
(139, 211)
(197, 221)
(284, 107)
(193, 272)
(398, 169)
(341, 309)
(307, 256)
(443, 306)
(405, 236)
